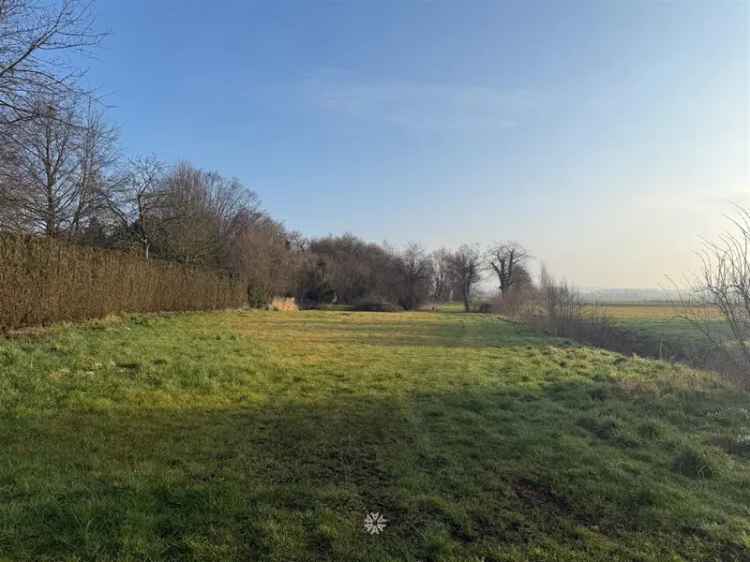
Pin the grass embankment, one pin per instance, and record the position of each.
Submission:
(270, 436)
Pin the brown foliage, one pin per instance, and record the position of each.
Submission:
(285, 304)
(43, 280)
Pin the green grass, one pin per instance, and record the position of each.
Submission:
(269, 436)
(667, 325)
(451, 307)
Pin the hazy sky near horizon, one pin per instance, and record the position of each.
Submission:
(606, 136)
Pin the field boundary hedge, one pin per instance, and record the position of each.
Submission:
(44, 280)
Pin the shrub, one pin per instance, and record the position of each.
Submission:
(559, 310)
(258, 297)
(375, 304)
(287, 304)
(43, 280)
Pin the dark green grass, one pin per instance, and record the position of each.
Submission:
(269, 436)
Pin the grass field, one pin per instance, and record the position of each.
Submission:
(269, 436)
(667, 324)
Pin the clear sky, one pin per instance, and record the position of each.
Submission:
(607, 136)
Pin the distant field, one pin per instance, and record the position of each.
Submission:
(655, 311)
(646, 311)
(665, 323)
(268, 436)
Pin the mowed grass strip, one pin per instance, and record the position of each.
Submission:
(270, 436)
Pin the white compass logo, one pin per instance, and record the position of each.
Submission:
(375, 523)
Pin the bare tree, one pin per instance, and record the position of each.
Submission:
(198, 215)
(55, 173)
(724, 284)
(10, 220)
(505, 260)
(137, 200)
(562, 306)
(260, 254)
(441, 276)
(465, 266)
(414, 269)
(40, 181)
(34, 40)
(357, 269)
(96, 156)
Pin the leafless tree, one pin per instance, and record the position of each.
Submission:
(198, 214)
(357, 269)
(414, 269)
(465, 266)
(40, 180)
(54, 176)
(10, 221)
(523, 297)
(562, 306)
(97, 155)
(505, 259)
(260, 253)
(441, 276)
(724, 284)
(35, 38)
(137, 199)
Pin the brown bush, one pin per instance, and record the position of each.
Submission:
(285, 304)
(43, 280)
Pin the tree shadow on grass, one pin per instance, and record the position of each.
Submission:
(466, 473)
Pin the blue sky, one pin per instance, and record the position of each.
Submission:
(607, 136)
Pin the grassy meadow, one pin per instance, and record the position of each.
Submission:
(667, 324)
(250, 435)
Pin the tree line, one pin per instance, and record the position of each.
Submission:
(63, 176)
